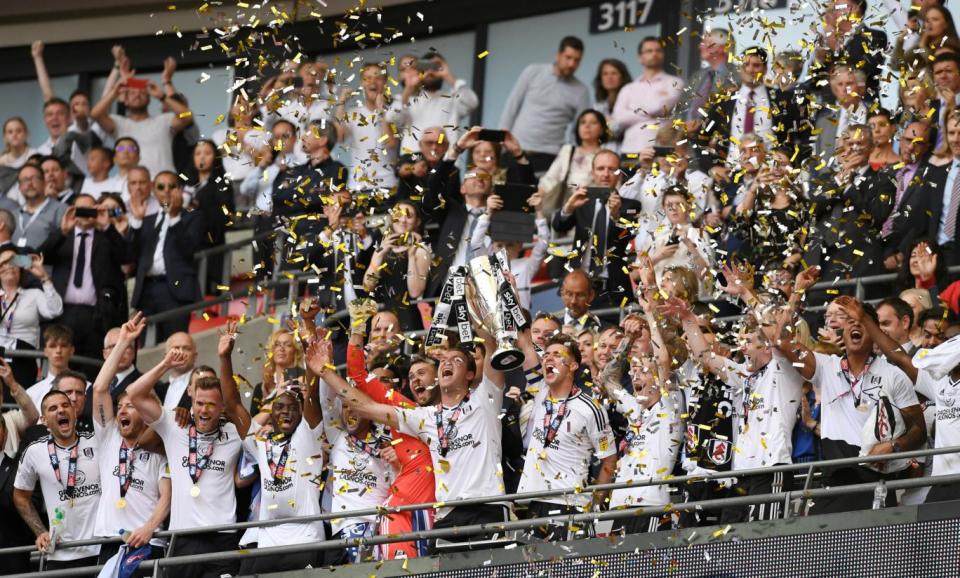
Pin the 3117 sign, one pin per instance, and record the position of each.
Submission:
(611, 16)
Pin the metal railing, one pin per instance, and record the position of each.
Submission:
(786, 497)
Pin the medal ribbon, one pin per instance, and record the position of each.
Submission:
(443, 433)
(277, 468)
(194, 466)
(853, 381)
(71, 464)
(125, 469)
(551, 423)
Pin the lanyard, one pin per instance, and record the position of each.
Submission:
(7, 311)
(277, 468)
(444, 433)
(370, 448)
(71, 464)
(125, 469)
(748, 385)
(33, 217)
(853, 381)
(194, 466)
(551, 423)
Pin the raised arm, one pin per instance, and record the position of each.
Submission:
(182, 117)
(236, 412)
(319, 357)
(140, 391)
(890, 348)
(28, 410)
(102, 401)
(699, 347)
(610, 375)
(101, 111)
(43, 78)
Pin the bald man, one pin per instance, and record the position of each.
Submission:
(127, 371)
(174, 392)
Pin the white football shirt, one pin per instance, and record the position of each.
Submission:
(71, 519)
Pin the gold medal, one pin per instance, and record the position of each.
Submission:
(195, 491)
(121, 503)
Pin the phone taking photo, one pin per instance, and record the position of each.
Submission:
(492, 135)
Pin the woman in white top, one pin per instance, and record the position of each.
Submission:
(678, 242)
(571, 168)
(16, 151)
(21, 309)
(238, 142)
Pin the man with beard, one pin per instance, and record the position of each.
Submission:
(65, 464)
(154, 134)
(136, 481)
(203, 457)
(568, 428)
(289, 453)
(463, 430)
(850, 386)
(414, 482)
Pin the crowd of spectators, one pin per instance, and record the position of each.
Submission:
(755, 189)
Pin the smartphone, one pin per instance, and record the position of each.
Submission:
(23, 261)
(86, 212)
(492, 135)
(115, 212)
(428, 65)
(601, 194)
(673, 240)
(292, 374)
(663, 151)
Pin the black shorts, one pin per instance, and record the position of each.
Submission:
(755, 486)
(206, 543)
(642, 524)
(470, 516)
(560, 528)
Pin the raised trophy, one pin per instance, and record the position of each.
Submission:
(493, 305)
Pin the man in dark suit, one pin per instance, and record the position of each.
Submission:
(849, 209)
(946, 78)
(87, 254)
(847, 88)
(454, 211)
(164, 245)
(751, 108)
(911, 181)
(848, 39)
(602, 232)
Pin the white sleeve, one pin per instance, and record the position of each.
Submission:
(926, 385)
(415, 422)
(478, 240)
(902, 391)
(49, 303)
(540, 249)
(604, 444)
(251, 182)
(26, 474)
(164, 424)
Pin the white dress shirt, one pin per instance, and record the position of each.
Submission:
(159, 266)
(762, 122)
(175, 390)
(86, 293)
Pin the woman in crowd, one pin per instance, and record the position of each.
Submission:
(489, 156)
(770, 219)
(397, 273)
(212, 195)
(22, 309)
(572, 166)
(884, 130)
(612, 75)
(239, 140)
(284, 359)
(16, 151)
(680, 243)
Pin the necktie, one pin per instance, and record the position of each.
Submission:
(599, 257)
(748, 114)
(904, 176)
(474, 217)
(951, 228)
(703, 95)
(114, 383)
(81, 261)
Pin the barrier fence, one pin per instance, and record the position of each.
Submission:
(785, 497)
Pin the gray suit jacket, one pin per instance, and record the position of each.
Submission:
(826, 122)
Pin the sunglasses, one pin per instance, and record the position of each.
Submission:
(166, 187)
(126, 149)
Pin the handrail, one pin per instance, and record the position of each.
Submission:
(231, 246)
(38, 354)
(511, 526)
(520, 496)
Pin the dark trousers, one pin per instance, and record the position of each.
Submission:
(641, 524)
(849, 502)
(24, 369)
(88, 333)
(264, 248)
(469, 516)
(204, 544)
(281, 563)
(699, 492)
(755, 486)
(946, 493)
(560, 529)
(157, 298)
(78, 563)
